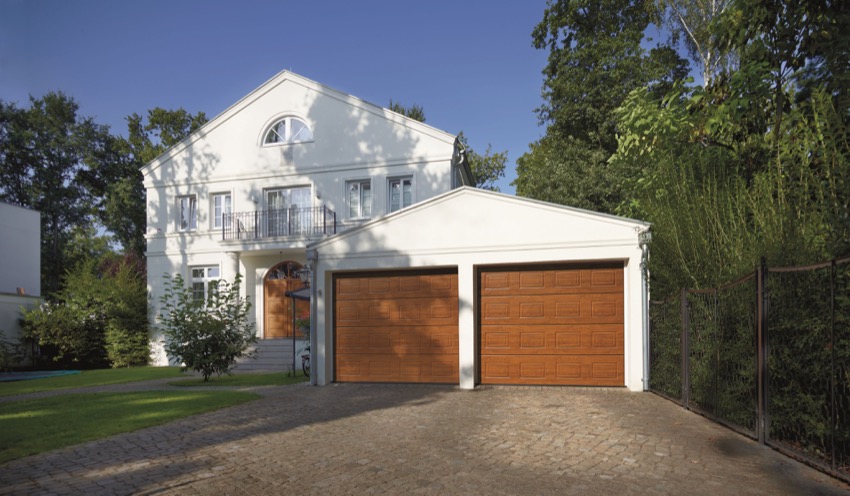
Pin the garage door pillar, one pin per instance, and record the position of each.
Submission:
(466, 325)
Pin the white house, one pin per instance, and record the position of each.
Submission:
(20, 265)
(291, 162)
(415, 276)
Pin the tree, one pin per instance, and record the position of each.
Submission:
(49, 158)
(98, 318)
(691, 22)
(595, 60)
(486, 169)
(415, 112)
(123, 208)
(206, 336)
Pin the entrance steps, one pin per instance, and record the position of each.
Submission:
(272, 355)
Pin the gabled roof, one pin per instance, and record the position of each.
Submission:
(276, 81)
(470, 219)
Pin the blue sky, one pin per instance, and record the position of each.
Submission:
(470, 64)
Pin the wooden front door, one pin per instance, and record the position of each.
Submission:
(561, 326)
(396, 327)
(277, 306)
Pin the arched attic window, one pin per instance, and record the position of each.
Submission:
(288, 130)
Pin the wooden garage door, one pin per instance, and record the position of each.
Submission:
(399, 327)
(552, 326)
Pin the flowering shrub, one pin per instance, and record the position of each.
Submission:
(206, 336)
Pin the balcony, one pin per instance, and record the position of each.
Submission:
(293, 221)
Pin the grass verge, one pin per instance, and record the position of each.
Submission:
(34, 426)
(245, 380)
(88, 378)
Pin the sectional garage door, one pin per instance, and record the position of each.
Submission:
(396, 327)
(560, 325)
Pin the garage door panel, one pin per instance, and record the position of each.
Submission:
(396, 327)
(548, 309)
(552, 325)
(565, 281)
(401, 340)
(397, 287)
(578, 370)
(406, 311)
(394, 368)
(590, 339)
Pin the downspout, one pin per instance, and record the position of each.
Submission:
(644, 238)
(313, 262)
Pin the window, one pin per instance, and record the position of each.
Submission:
(288, 211)
(401, 193)
(204, 280)
(222, 208)
(359, 199)
(288, 130)
(187, 213)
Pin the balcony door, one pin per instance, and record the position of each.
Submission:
(288, 211)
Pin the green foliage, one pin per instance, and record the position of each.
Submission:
(123, 193)
(49, 157)
(46, 424)
(70, 335)
(720, 193)
(690, 23)
(415, 112)
(487, 168)
(567, 171)
(98, 318)
(595, 60)
(88, 378)
(206, 336)
(11, 353)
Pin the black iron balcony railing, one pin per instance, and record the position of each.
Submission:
(292, 221)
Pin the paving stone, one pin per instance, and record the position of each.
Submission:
(392, 439)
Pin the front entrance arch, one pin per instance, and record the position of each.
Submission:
(277, 307)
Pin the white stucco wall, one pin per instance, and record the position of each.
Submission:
(20, 250)
(20, 265)
(353, 140)
(467, 229)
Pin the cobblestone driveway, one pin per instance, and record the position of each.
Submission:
(384, 439)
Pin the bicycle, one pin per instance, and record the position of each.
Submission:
(305, 361)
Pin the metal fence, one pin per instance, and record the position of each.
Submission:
(767, 355)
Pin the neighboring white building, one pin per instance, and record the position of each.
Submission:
(292, 162)
(415, 278)
(20, 265)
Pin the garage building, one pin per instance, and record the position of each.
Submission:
(476, 287)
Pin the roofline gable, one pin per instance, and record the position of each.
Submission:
(613, 219)
(272, 83)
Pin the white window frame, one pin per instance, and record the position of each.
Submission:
(364, 209)
(399, 180)
(204, 282)
(181, 207)
(284, 125)
(219, 211)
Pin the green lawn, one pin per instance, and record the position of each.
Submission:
(34, 426)
(88, 378)
(243, 380)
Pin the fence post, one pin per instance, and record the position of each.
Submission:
(686, 350)
(834, 413)
(717, 330)
(761, 351)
